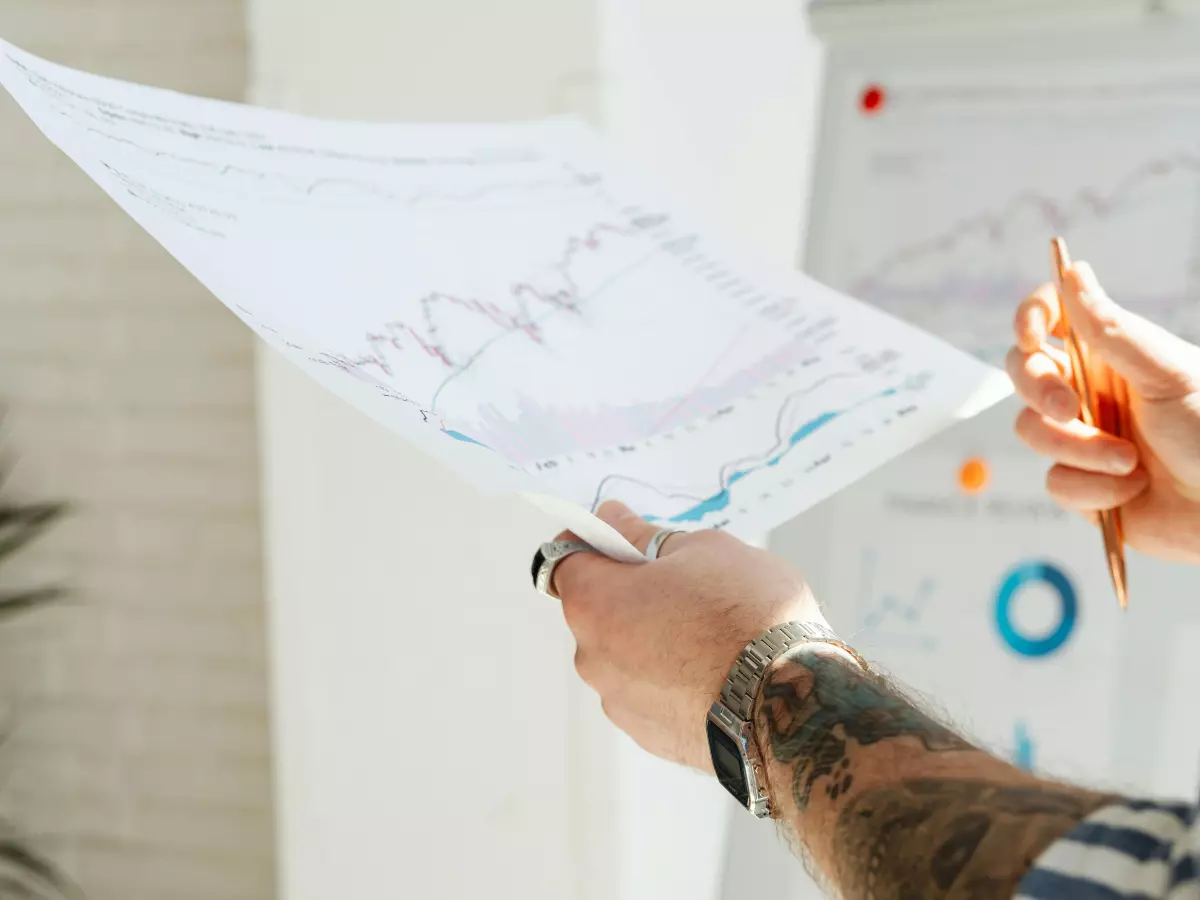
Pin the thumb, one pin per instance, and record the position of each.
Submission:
(1155, 363)
(632, 527)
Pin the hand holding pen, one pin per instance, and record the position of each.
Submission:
(1152, 472)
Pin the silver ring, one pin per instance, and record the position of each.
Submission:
(547, 558)
(656, 542)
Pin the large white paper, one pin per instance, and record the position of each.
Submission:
(501, 296)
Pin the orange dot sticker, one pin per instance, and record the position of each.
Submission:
(973, 476)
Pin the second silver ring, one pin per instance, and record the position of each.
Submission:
(656, 542)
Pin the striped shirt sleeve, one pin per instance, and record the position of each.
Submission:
(1137, 850)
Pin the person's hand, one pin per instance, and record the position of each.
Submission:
(656, 641)
(1155, 477)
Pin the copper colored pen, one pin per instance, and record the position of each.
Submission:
(1103, 399)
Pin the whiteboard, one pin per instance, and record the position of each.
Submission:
(944, 166)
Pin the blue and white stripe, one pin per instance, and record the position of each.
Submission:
(1137, 850)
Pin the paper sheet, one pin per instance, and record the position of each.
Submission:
(508, 299)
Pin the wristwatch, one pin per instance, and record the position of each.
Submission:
(731, 741)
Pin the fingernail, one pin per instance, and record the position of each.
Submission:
(1122, 460)
(1038, 323)
(1061, 404)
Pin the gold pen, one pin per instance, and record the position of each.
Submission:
(1104, 402)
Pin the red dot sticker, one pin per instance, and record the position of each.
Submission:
(873, 100)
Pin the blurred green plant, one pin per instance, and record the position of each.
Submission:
(20, 524)
(24, 873)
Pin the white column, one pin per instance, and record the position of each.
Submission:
(421, 688)
(719, 100)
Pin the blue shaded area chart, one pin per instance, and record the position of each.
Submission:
(459, 436)
(1015, 582)
(721, 499)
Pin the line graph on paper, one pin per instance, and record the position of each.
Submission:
(963, 206)
(771, 391)
(503, 295)
(464, 345)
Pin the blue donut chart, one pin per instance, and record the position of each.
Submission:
(1021, 577)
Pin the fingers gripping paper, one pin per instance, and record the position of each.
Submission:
(503, 297)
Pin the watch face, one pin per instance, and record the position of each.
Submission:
(727, 760)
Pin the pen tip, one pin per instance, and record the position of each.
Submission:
(1061, 258)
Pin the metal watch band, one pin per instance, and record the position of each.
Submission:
(741, 686)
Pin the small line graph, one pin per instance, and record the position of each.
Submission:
(346, 190)
(784, 440)
(324, 358)
(1023, 748)
(515, 315)
(429, 334)
(1059, 215)
(891, 617)
(718, 502)
(533, 175)
(75, 104)
(198, 217)
(975, 312)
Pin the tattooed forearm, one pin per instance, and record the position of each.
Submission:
(815, 707)
(950, 839)
(891, 803)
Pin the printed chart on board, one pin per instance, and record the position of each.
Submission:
(953, 189)
(949, 187)
(503, 296)
(995, 606)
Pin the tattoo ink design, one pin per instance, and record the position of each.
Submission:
(951, 840)
(812, 707)
(919, 839)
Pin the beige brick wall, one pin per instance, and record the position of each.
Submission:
(140, 751)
